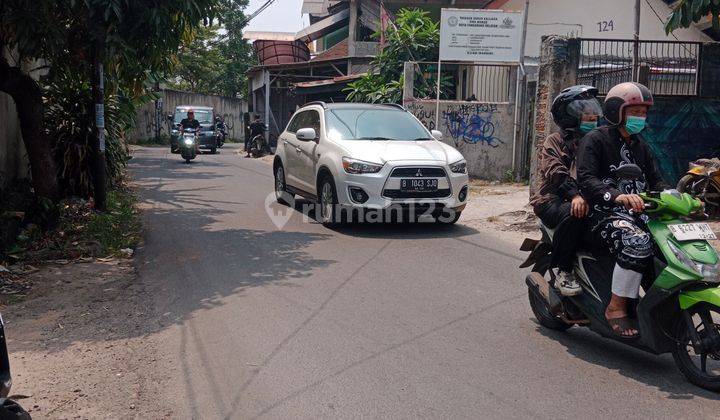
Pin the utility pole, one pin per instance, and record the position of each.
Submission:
(636, 44)
(158, 112)
(97, 153)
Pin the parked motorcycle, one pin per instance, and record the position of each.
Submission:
(680, 310)
(702, 180)
(257, 146)
(188, 144)
(220, 132)
(9, 409)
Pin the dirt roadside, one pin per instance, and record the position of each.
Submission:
(76, 343)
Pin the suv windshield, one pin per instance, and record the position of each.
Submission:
(373, 124)
(204, 116)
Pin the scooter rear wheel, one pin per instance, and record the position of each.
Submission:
(701, 368)
(11, 410)
(543, 315)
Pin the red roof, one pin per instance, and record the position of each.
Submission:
(339, 50)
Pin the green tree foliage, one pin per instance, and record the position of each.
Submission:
(413, 37)
(687, 12)
(136, 40)
(215, 59)
(199, 63)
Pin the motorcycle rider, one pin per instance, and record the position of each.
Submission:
(556, 197)
(191, 122)
(257, 128)
(221, 127)
(615, 219)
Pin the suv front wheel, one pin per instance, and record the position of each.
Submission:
(328, 202)
(281, 193)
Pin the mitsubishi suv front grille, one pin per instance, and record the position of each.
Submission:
(418, 172)
(392, 188)
(416, 194)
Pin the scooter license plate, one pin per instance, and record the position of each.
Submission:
(692, 231)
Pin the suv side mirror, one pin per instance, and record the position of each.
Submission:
(437, 134)
(306, 134)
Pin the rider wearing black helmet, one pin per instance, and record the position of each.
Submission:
(556, 196)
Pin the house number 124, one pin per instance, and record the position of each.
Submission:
(606, 26)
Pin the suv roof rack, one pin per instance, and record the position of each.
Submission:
(395, 106)
(321, 103)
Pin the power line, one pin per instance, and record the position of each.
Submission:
(257, 12)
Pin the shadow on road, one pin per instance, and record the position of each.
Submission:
(391, 230)
(193, 258)
(656, 371)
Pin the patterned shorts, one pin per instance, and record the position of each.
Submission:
(627, 239)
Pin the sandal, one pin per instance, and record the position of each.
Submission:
(621, 325)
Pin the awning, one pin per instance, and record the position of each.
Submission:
(324, 27)
(326, 85)
(315, 7)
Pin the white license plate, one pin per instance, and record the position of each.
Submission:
(692, 231)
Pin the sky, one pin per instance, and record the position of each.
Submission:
(281, 16)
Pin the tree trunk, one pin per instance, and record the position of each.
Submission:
(29, 103)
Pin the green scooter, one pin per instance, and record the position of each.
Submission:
(678, 313)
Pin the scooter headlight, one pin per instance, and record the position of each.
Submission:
(189, 141)
(710, 272)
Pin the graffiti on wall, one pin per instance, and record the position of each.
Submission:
(148, 118)
(471, 123)
(681, 130)
(425, 115)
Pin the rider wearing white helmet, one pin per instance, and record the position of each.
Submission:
(615, 219)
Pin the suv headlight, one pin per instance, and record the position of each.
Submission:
(459, 167)
(354, 166)
(710, 272)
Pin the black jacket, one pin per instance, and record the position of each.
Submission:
(601, 152)
(257, 128)
(187, 123)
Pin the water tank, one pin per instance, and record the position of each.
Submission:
(281, 52)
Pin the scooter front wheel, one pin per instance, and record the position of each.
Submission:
(542, 313)
(700, 364)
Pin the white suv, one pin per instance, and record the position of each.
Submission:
(368, 159)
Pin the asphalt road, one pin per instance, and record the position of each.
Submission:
(366, 321)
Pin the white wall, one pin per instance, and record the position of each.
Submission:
(591, 19)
